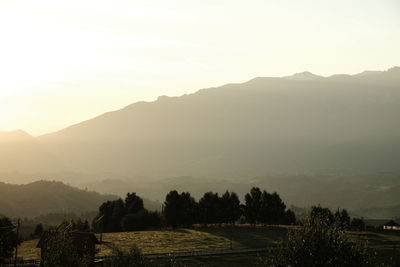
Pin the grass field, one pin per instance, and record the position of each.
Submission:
(387, 244)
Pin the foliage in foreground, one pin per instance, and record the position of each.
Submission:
(8, 239)
(60, 251)
(319, 243)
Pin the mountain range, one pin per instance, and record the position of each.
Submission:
(299, 124)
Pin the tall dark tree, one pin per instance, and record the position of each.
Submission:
(133, 203)
(112, 213)
(272, 208)
(8, 239)
(277, 208)
(189, 211)
(342, 219)
(253, 204)
(289, 218)
(172, 209)
(38, 230)
(180, 209)
(230, 207)
(118, 213)
(318, 213)
(107, 215)
(210, 208)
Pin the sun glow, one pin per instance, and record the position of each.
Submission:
(108, 54)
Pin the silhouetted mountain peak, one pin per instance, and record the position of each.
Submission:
(303, 76)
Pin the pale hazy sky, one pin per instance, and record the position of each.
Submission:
(62, 62)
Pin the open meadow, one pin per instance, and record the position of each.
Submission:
(386, 244)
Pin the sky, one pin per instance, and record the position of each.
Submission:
(62, 62)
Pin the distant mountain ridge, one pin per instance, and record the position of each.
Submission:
(43, 197)
(298, 123)
(325, 123)
(52, 197)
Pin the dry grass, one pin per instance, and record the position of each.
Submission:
(180, 240)
(167, 241)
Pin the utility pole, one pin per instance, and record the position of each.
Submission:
(16, 245)
(101, 232)
(230, 238)
(101, 227)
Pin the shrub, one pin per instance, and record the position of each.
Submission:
(120, 258)
(60, 251)
(8, 239)
(319, 243)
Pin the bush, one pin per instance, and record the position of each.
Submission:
(60, 251)
(134, 257)
(120, 258)
(319, 243)
(8, 239)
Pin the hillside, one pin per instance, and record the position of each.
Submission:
(300, 123)
(20, 151)
(43, 197)
(313, 139)
(292, 124)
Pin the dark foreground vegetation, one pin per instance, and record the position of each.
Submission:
(320, 238)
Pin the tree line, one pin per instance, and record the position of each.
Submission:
(340, 218)
(125, 215)
(182, 210)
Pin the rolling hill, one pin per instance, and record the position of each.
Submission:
(43, 197)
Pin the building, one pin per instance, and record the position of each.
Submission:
(391, 225)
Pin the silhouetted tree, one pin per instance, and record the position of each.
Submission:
(180, 209)
(210, 206)
(172, 208)
(272, 208)
(118, 213)
(38, 230)
(113, 213)
(317, 212)
(289, 218)
(141, 220)
(101, 221)
(342, 219)
(133, 203)
(8, 239)
(108, 223)
(189, 211)
(253, 205)
(230, 207)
